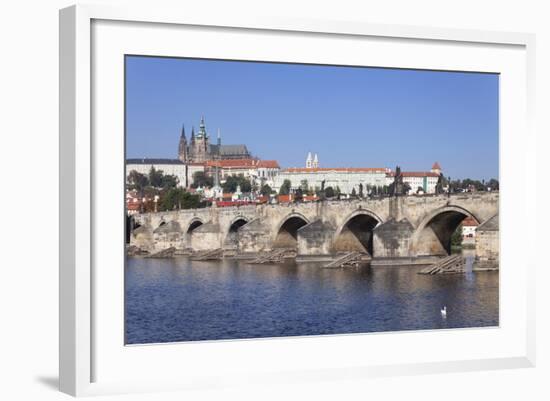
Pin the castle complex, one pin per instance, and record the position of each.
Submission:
(194, 155)
(221, 161)
(199, 149)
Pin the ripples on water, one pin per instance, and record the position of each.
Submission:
(177, 299)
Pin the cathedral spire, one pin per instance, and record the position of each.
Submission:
(309, 160)
(192, 134)
(202, 129)
(182, 147)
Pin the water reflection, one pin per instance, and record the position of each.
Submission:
(182, 300)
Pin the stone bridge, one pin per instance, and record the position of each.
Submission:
(397, 227)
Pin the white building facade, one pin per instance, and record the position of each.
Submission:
(184, 171)
(345, 179)
(257, 171)
(348, 180)
(419, 181)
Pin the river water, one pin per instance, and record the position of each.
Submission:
(170, 300)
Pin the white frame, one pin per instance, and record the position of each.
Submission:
(76, 278)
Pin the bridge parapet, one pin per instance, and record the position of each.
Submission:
(328, 226)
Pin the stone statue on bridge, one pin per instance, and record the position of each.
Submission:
(439, 185)
(322, 195)
(397, 187)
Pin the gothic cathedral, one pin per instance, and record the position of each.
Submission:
(199, 149)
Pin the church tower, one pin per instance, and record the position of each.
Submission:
(200, 144)
(436, 168)
(182, 148)
(315, 161)
(309, 161)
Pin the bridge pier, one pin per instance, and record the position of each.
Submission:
(168, 235)
(316, 239)
(254, 237)
(206, 237)
(392, 239)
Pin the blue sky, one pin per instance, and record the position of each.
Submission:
(351, 117)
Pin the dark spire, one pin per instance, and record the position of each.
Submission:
(192, 134)
(183, 130)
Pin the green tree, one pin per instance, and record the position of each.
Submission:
(169, 181)
(353, 192)
(178, 198)
(493, 184)
(304, 186)
(137, 181)
(231, 183)
(266, 190)
(456, 238)
(285, 188)
(155, 177)
(200, 179)
(329, 192)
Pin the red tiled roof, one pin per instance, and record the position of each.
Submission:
(285, 198)
(243, 163)
(470, 222)
(414, 174)
(335, 169)
(268, 164)
(419, 174)
(133, 206)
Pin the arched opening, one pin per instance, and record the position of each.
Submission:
(356, 234)
(433, 237)
(233, 233)
(287, 236)
(131, 225)
(189, 233)
(193, 226)
(236, 225)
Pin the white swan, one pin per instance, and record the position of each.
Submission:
(444, 311)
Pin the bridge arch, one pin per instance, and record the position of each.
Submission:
(433, 235)
(355, 232)
(193, 225)
(231, 236)
(286, 233)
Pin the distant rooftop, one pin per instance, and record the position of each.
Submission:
(230, 150)
(470, 222)
(414, 174)
(147, 161)
(243, 163)
(336, 169)
(153, 161)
